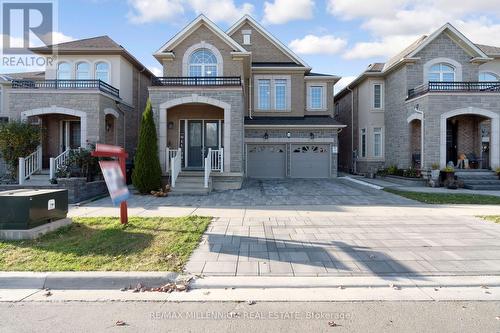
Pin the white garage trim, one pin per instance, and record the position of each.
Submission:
(60, 110)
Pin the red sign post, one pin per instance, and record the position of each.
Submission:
(102, 150)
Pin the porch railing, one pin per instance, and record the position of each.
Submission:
(176, 165)
(444, 87)
(213, 162)
(169, 154)
(66, 84)
(197, 81)
(56, 162)
(29, 165)
(217, 160)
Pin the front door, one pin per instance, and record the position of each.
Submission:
(195, 144)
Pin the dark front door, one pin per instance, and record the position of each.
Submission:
(195, 144)
(211, 135)
(451, 141)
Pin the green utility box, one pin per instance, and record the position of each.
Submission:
(26, 209)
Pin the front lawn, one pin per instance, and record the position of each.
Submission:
(103, 244)
(492, 218)
(448, 198)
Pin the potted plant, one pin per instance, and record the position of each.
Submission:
(449, 173)
(435, 171)
(497, 170)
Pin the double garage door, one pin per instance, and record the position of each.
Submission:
(303, 160)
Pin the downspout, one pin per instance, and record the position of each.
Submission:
(352, 129)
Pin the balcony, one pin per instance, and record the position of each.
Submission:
(195, 81)
(452, 87)
(67, 85)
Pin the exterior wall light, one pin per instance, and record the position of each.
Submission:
(288, 134)
(170, 125)
(266, 136)
(311, 135)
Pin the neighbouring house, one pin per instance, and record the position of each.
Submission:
(437, 100)
(95, 92)
(246, 98)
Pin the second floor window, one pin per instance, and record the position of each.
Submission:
(377, 96)
(63, 71)
(488, 77)
(102, 72)
(264, 94)
(316, 97)
(280, 87)
(82, 71)
(442, 73)
(202, 62)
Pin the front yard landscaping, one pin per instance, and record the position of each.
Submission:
(103, 244)
(448, 198)
(493, 218)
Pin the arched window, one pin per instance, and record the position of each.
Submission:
(202, 62)
(63, 71)
(102, 72)
(442, 72)
(488, 77)
(82, 71)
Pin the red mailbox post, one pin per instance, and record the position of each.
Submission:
(102, 150)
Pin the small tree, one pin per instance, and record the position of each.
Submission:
(146, 176)
(18, 139)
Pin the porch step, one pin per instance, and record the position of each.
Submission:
(481, 180)
(191, 184)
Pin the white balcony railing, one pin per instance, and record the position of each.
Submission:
(56, 162)
(175, 165)
(29, 165)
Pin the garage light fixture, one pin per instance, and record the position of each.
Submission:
(288, 134)
(311, 135)
(266, 136)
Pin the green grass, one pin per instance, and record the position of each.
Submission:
(103, 244)
(448, 198)
(493, 218)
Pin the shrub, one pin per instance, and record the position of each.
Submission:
(146, 176)
(435, 166)
(80, 163)
(392, 170)
(18, 139)
(449, 169)
(497, 170)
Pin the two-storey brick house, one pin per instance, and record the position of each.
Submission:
(249, 100)
(436, 102)
(94, 92)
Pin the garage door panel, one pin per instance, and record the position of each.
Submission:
(310, 161)
(266, 161)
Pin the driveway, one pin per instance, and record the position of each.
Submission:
(326, 227)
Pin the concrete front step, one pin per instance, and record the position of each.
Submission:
(485, 180)
(191, 183)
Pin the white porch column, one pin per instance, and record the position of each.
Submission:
(227, 139)
(495, 143)
(162, 134)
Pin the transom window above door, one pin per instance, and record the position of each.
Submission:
(202, 62)
(442, 72)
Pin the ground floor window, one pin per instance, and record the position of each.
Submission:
(363, 142)
(377, 142)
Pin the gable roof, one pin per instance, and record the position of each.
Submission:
(405, 53)
(94, 45)
(282, 47)
(195, 24)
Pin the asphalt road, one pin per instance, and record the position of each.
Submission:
(243, 317)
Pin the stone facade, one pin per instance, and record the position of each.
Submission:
(161, 96)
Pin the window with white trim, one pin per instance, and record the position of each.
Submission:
(202, 62)
(316, 97)
(280, 89)
(363, 142)
(377, 96)
(377, 141)
(264, 94)
(63, 71)
(441, 72)
(488, 77)
(247, 37)
(272, 93)
(82, 71)
(102, 72)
